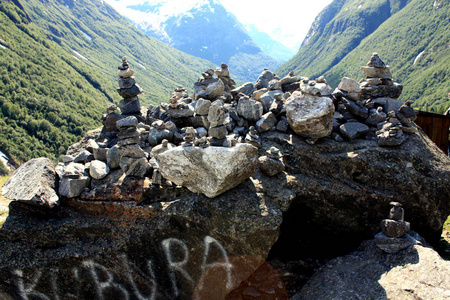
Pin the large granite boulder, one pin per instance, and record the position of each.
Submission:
(369, 273)
(310, 116)
(33, 182)
(210, 171)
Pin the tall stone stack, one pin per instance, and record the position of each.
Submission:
(216, 117)
(133, 161)
(129, 90)
(224, 74)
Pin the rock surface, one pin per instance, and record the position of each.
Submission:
(369, 273)
(34, 182)
(210, 171)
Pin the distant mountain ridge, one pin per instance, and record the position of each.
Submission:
(209, 31)
(412, 36)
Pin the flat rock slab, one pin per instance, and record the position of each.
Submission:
(210, 171)
(34, 182)
(369, 273)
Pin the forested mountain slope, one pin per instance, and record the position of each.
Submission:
(413, 37)
(58, 66)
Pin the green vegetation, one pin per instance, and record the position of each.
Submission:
(3, 202)
(58, 64)
(343, 41)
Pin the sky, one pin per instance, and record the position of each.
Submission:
(286, 21)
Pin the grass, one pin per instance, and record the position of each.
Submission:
(444, 245)
(4, 202)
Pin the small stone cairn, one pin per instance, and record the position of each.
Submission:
(394, 236)
(129, 90)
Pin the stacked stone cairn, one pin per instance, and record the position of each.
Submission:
(129, 90)
(221, 116)
(394, 235)
(370, 109)
(133, 160)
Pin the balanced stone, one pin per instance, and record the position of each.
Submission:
(132, 151)
(247, 89)
(130, 106)
(74, 170)
(216, 114)
(289, 79)
(310, 116)
(209, 88)
(82, 157)
(100, 153)
(271, 164)
(126, 83)
(376, 116)
(130, 121)
(355, 109)
(181, 111)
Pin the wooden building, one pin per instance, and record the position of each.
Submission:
(436, 126)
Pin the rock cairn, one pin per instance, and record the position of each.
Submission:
(129, 90)
(370, 109)
(394, 236)
(220, 115)
(133, 160)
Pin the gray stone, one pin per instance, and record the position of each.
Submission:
(134, 151)
(156, 136)
(91, 145)
(270, 166)
(113, 157)
(370, 92)
(131, 92)
(310, 116)
(349, 85)
(376, 117)
(257, 94)
(229, 123)
(216, 114)
(355, 109)
(182, 111)
(315, 89)
(210, 171)
(209, 89)
(372, 72)
(100, 153)
(268, 98)
(247, 89)
(264, 79)
(266, 122)
(394, 229)
(390, 135)
(33, 182)
(353, 130)
(124, 123)
(110, 121)
(71, 187)
(394, 244)
(98, 169)
(74, 170)
(130, 106)
(219, 132)
(82, 157)
(288, 79)
(388, 104)
(126, 83)
(67, 158)
(128, 132)
(201, 131)
(136, 167)
(282, 125)
(376, 62)
(202, 107)
(274, 84)
(250, 109)
(129, 141)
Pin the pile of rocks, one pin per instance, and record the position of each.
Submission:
(370, 109)
(220, 115)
